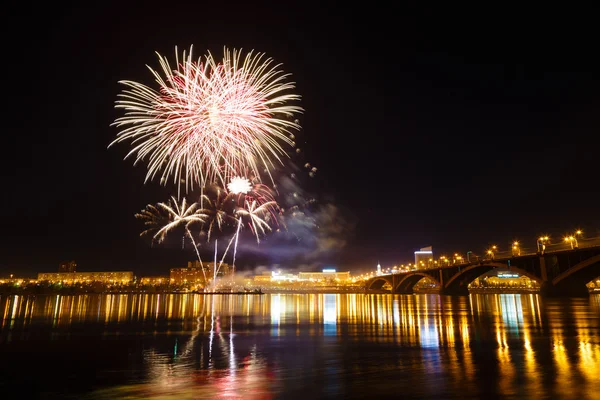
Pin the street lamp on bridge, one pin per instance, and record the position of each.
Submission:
(541, 244)
(516, 249)
(573, 241)
(457, 259)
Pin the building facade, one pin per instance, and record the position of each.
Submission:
(327, 274)
(68, 278)
(154, 280)
(17, 281)
(195, 273)
(424, 258)
(265, 277)
(504, 279)
(67, 266)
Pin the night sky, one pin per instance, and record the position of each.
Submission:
(445, 127)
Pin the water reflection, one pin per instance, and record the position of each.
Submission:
(329, 314)
(266, 346)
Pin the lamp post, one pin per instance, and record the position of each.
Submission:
(516, 249)
(573, 241)
(541, 244)
(491, 253)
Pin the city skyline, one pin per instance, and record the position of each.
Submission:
(456, 145)
(515, 248)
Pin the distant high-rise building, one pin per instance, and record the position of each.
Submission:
(378, 269)
(67, 266)
(424, 257)
(193, 274)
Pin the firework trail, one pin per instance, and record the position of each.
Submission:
(209, 120)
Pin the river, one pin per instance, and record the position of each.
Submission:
(308, 346)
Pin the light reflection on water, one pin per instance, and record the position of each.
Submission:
(294, 345)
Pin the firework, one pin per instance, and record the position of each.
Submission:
(179, 215)
(257, 216)
(239, 185)
(223, 208)
(164, 217)
(154, 218)
(209, 120)
(218, 209)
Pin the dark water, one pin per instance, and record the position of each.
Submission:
(299, 346)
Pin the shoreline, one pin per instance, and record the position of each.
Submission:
(305, 291)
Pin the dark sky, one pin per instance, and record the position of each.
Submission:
(445, 127)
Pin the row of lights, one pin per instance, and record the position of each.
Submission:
(541, 244)
(458, 259)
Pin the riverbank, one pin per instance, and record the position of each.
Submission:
(80, 292)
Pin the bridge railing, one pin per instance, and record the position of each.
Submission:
(509, 254)
(523, 252)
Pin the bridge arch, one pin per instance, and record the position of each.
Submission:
(408, 281)
(378, 283)
(460, 281)
(581, 270)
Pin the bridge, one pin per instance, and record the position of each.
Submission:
(563, 271)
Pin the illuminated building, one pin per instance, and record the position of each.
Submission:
(86, 277)
(509, 279)
(423, 257)
(594, 286)
(265, 277)
(17, 281)
(194, 274)
(327, 274)
(378, 269)
(504, 279)
(154, 280)
(67, 266)
(277, 276)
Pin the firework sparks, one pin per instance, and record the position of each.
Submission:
(154, 218)
(218, 210)
(209, 120)
(164, 217)
(257, 215)
(239, 185)
(183, 214)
